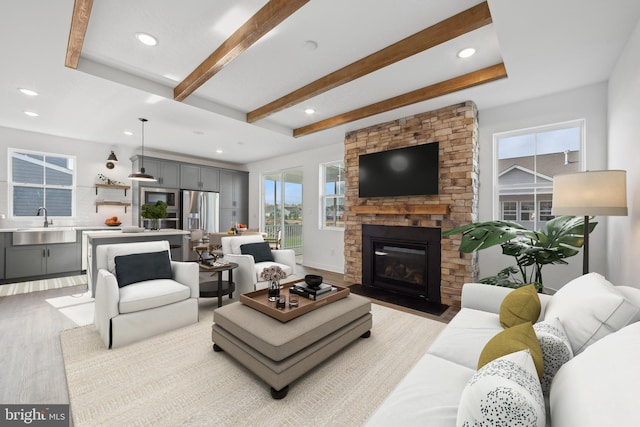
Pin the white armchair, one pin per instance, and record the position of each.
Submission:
(145, 308)
(247, 275)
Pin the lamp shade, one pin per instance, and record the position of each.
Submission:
(591, 193)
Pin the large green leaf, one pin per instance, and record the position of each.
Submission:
(482, 235)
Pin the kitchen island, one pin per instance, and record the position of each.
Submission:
(176, 239)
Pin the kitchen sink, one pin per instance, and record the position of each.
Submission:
(44, 235)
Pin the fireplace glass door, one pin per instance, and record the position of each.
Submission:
(401, 267)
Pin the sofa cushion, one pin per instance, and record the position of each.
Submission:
(260, 251)
(427, 396)
(150, 294)
(590, 308)
(135, 268)
(556, 349)
(504, 392)
(516, 338)
(633, 296)
(598, 387)
(465, 336)
(520, 306)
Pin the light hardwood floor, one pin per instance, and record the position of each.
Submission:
(31, 364)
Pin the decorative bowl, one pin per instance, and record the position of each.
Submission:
(312, 280)
(113, 224)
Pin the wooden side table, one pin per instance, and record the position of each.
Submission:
(218, 288)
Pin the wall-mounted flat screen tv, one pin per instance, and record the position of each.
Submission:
(409, 171)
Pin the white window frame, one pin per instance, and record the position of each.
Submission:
(11, 183)
(324, 198)
(580, 123)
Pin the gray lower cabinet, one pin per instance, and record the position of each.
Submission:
(39, 260)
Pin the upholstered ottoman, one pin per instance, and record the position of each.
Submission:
(278, 352)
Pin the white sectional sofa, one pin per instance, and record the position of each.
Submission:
(596, 387)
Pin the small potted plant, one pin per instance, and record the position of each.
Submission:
(154, 212)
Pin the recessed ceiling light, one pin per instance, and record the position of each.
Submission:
(31, 113)
(28, 92)
(465, 53)
(219, 151)
(146, 39)
(309, 111)
(311, 45)
(128, 132)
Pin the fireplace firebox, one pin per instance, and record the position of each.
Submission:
(405, 260)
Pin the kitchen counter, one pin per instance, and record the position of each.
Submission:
(176, 239)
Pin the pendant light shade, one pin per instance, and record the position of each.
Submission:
(141, 175)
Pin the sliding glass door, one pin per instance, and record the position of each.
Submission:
(282, 209)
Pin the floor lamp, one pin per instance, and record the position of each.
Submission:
(591, 193)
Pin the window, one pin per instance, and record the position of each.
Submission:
(526, 162)
(332, 194)
(509, 211)
(41, 180)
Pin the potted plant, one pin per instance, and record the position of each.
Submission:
(560, 238)
(154, 212)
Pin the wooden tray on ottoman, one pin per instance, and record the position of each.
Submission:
(259, 300)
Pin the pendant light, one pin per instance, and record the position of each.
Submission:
(142, 176)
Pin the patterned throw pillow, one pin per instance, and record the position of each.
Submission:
(503, 393)
(556, 349)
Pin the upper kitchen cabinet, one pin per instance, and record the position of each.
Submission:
(234, 197)
(166, 172)
(203, 178)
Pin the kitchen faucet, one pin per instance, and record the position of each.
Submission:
(46, 222)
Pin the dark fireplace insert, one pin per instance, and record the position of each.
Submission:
(402, 260)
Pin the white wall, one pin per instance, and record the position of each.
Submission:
(323, 249)
(624, 151)
(589, 103)
(91, 159)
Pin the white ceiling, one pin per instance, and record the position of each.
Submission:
(546, 46)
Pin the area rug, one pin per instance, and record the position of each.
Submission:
(41, 285)
(177, 379)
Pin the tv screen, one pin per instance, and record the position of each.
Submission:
(410, 171)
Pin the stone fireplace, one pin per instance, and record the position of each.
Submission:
(456, 129)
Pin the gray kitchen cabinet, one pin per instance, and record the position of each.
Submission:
(39, 260)
(234, 198)
(166, 172)
(203, 178)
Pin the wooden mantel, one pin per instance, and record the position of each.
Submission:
(401, 209)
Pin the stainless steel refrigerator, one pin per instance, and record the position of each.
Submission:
(200, 211)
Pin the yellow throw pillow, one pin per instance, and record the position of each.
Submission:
(520, 306)
(516, 338)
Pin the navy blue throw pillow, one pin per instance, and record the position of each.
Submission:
(140, 267)
(260, 251)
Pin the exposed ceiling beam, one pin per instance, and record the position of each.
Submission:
(266, 19)
(79, 23)
(455, 84)
(455, 26)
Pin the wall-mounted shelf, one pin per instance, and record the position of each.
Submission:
(401, 209)
(106, 203)
(114, 186)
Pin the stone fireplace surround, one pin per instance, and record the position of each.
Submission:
(456, 128)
